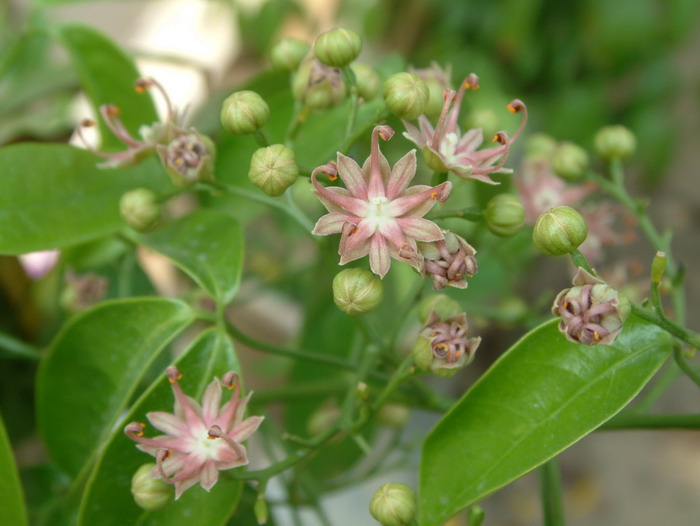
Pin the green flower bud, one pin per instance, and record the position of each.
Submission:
(287, 54)
(357, 291)
(559, 231)
(188, 158)
(338, 47)
(442, 304)
(394, 415)
(367, 81)
(273, 169)
(393, 504)
(140, 209)
(150, 493)
(260, 509)
(318, 86)
(658, 267)
(569, 161)
(244, 112)
(615, 142)
(323, 418)
(540, 146)
(437, 80)
(504, 215)
(406, 95)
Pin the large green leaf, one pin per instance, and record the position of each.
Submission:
(207, 245)
(540, 397)
(107, 75)
(108, 500)
(92, 369)
(53, 195)
(12, 510)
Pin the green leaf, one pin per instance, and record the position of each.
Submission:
(208, 246)
(107, 75)
(53, 195)
(93, 368)
(540, 397)
(12, 510)
(108, 500)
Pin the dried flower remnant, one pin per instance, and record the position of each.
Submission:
(443, 346)
(449, 262)
(377, 213)
(199, 441)
(446, 149)
(592, 312)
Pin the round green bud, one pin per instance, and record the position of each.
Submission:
(406, 95)
(422, 353)
(442, 304)
(140, 209)
(436, 98)
(394, 415)
(273, 169)
(569, 161)
(367, 81)
(540, 146)
(393, 504)
(615, 142)
(338, 47)
(150, 493)
(244, 113)
(504, 215)
(559, 231)
(318, 86)
(287, 54)
(357, 291)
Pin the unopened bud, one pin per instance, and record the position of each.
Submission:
(437, 80)
(338, 47)
(150, 493)
(273, 169)
(559, 231)
(140, 209)
(615, 142)
(244, 113)
(367, 81)
(406, 95)
(442, 304)
(658, 267)
(394, 415)
(569, 161)
(504, 215)
(287, 54)
(357, 291)
(323, 418)
(442, 346)
(318, 86)
(260, 510)
(393, 504)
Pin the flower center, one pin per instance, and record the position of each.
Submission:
(448, 146)
(378, 212)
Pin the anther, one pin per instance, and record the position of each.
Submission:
(135, 428)
(471, 82)
(501, 137)
(229, 380)
(173, 374)
(515, 106)
(112, 110)
(433, 195)
(142, 85)
(596, 335)
(87, 123)
(332, 177)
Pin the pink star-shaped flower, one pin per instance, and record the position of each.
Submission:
(446, 149)
(378, 213)
(199, 441)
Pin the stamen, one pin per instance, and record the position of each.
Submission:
(596, 335)
(143, 84)
(518, 106)
(433, 195)
(333, 177)
(515, 106)
(472, 82)
(447, 97)
(110, 114)
(216, 432)
(173, 374)
(135, 428)
(161, 455)
(87, 123)
(229, 380)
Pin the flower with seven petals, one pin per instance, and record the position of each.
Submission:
(446, 149)
(377, 213)
(199, 441)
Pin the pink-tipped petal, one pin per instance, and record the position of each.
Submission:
(209, 476)
(420, 229)
(358, 235)
(414, 135)
(402, 174)
(352, 175)
(167, 423)
(246, 428)
(379, 257)
(184, 485)
(470, 141)
(393, 233)
(339, 199)
(332, 223)
(420, 200)
(211, 402)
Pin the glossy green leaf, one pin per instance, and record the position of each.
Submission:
(108, 500)
(12, 510)
(53, 195)
(107, 75)
(208, 246)
(540, 397)
(93, 368)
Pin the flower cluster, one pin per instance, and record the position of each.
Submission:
(446, 149)
(199, 441)
(443, 346)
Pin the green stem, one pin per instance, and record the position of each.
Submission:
(581, 261)
(403, 373)
(292, 392)
(264, 199)
(16, 348)
(684, 366)
(471, 213)
(685, 335)
(362, 131)
(550, 491)
(262, 139)
(635, 420)
(349, 79)
(301, 112)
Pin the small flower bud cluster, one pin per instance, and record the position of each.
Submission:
(591, 312)
(318, 85)
(140, 209)
(449, 262)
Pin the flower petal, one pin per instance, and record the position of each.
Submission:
(414, 135)
(183, 485)
(336, 198)
(167, 423)
(420, 229)
(211, 402)
(470, 141)
(332, 223)
(392, 232)
(358, 235)
(353, 176)
(379, 258)
(402, 174)
(246, 428)
(209, 475)
(420, 202)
